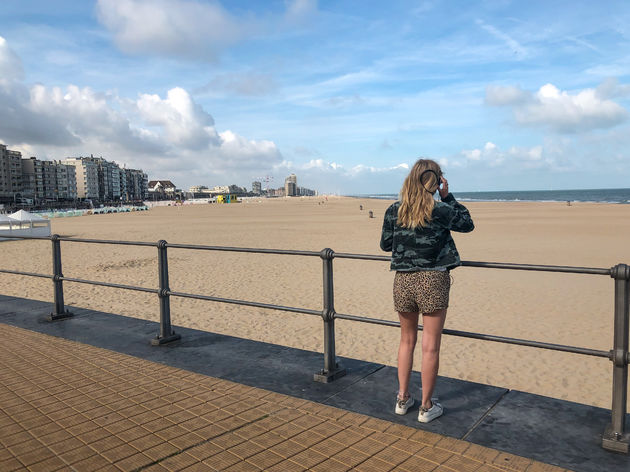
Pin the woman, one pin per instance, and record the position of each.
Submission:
(416, 230)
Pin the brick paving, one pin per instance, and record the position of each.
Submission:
(69, 406)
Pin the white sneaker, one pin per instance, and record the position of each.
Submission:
(425, 416)
(403, 405)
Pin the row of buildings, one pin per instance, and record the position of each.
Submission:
(38, 182)
(290, 189)
(217, 190)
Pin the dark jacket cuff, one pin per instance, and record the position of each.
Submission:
(449, 198)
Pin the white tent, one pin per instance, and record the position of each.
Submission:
(23, 216)
(23, 223)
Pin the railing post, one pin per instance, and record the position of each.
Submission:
(59, 310)
(614, 437)
(332, 370)
(167, 334)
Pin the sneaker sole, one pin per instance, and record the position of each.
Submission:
(426, 419)
(423, 420)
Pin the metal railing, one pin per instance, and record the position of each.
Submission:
(614, 438)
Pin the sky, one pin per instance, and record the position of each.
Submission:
(505, 95)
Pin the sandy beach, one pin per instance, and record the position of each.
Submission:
(570, 309)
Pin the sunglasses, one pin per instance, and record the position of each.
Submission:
(437, 176)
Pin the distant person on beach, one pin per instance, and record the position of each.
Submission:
(417, 230)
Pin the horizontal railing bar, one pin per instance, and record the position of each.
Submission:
(543, 268)
(366, 257)
(246, 303)
(24, 237)
(524, 342)
(108, 284)
(364, 319)
(245, 249)
(109, 241)
(492, 265)
(31, 274)
(486, 337)
(338, 255)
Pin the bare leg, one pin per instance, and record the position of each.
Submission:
(408, 338)
(431, 338)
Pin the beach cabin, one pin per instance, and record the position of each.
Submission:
(227, 198)
(22, 223)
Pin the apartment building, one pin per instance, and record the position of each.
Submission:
(134, 184)
(108, 180)
(199, 189)
(99, 179)
(36, 181)
(86, 177)
(66, 181)
(10, 174)
(32, 178)
(48, 180)
(290, 186)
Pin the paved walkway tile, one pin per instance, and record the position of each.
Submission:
(70, 406)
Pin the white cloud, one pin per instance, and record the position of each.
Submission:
(516, 157)
(183, 122)
(300, 10)
(332, 177)
(238, 152)
(473, 155)
(488, 153)
(561, 111)
(321, 164)
(191, 28)
(611, 88)
(170, 27)
(358, 169)
(10, 63)
(49, 116)
(172, 136)
(497, 95)
(615, 68)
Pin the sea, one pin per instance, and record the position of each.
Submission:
(607, 195)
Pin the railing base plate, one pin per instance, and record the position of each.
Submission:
(328, 376)
(158, 341)
(610, 442)
(60, 316)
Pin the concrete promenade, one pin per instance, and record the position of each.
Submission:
(90, 393)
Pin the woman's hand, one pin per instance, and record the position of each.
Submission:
(444, 188)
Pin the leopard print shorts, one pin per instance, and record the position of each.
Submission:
(421, 292)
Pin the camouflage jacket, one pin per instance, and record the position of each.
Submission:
(428, 248)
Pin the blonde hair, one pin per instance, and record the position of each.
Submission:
(416, 195)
